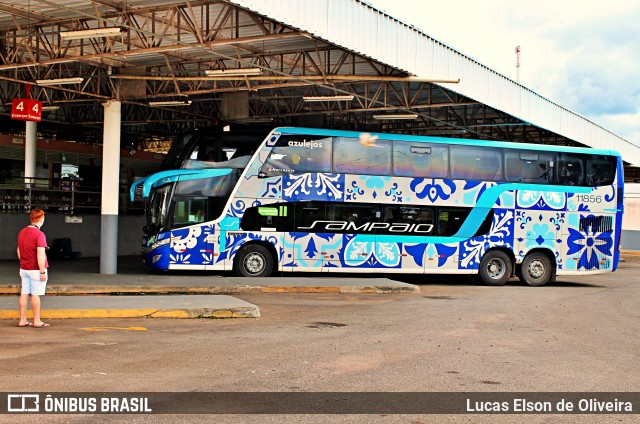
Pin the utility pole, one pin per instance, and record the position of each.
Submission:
(518, 63)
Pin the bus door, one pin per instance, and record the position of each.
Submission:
(191, 245)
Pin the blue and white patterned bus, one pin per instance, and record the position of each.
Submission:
(338, 201)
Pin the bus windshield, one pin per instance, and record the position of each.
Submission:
(176, 153)
(157, 211)
(190, 202)
(208, 147)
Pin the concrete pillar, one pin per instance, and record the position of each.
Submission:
(30, 152)
(110, 187)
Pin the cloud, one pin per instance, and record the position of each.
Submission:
(580, 54)
(597, 74)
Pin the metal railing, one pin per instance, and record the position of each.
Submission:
(64, 196)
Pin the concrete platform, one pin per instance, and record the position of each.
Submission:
(76, 289)
(82, 277)
(150, 306)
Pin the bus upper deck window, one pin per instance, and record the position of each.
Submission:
(570, 170)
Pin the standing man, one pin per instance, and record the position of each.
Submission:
(33, 268)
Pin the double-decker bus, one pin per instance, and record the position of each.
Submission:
(339, 201)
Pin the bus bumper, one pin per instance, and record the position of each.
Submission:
(157, 258)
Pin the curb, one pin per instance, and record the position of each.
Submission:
(76, 290)
(136, 313)
(181, 307)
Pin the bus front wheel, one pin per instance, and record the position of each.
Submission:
(536, 269)
(495, 268)
(253, 260)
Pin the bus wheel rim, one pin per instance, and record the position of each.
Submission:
(496, 268)
(536, 269)
(254, 263)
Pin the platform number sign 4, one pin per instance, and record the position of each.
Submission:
(26, 110)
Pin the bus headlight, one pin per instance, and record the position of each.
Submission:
(155, 258)
(160, 243)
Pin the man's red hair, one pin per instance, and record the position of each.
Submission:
(36, 215)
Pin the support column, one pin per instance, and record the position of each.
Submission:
(110, 188)
(30, 152)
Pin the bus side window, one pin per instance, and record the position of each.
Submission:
(366, 156)
(528, 166)
(419, 219)
(600, 170)
(307, 213)
(450, 220)
(475, 163)
(298, 155)
(358, 214)
(570, 170)
(420, 160)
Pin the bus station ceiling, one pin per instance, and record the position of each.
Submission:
(160, 51)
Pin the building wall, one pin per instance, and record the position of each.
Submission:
(85, 237)
(631, 217)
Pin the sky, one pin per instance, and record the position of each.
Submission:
(583, 55)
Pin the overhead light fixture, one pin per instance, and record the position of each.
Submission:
(232, 72)
(91, 33)
(397, 116)
(50, 108)
(447, 132)
(60, 81)
(256, 120)
(171, 103)
(345, 98)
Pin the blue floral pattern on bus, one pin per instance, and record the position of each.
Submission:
(271, 188)
(473, 190)
(312, 186)
(371, 188)
(432, 189)
(423, 251)
(307, 248)
(235, 241)
(189, 246)
(544, 200)
(589, 246)
(537, 229)
(361, 251)
(500, 234)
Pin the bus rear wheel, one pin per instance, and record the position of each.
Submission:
(536, 269)
(253, 260)
(495, 268)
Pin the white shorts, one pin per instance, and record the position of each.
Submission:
(31, 283)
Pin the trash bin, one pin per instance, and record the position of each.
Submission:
(61, 248)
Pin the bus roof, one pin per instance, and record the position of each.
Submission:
(458, 141)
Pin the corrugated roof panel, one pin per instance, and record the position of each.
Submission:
(407, 46)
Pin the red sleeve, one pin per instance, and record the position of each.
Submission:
(42, 240)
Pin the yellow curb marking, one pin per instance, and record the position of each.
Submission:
(171, 314)
(114, 328)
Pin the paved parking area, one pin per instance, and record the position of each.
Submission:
(578, 335)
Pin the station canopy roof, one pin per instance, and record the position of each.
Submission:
(343, 64)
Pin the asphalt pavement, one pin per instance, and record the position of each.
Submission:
(76, 289)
